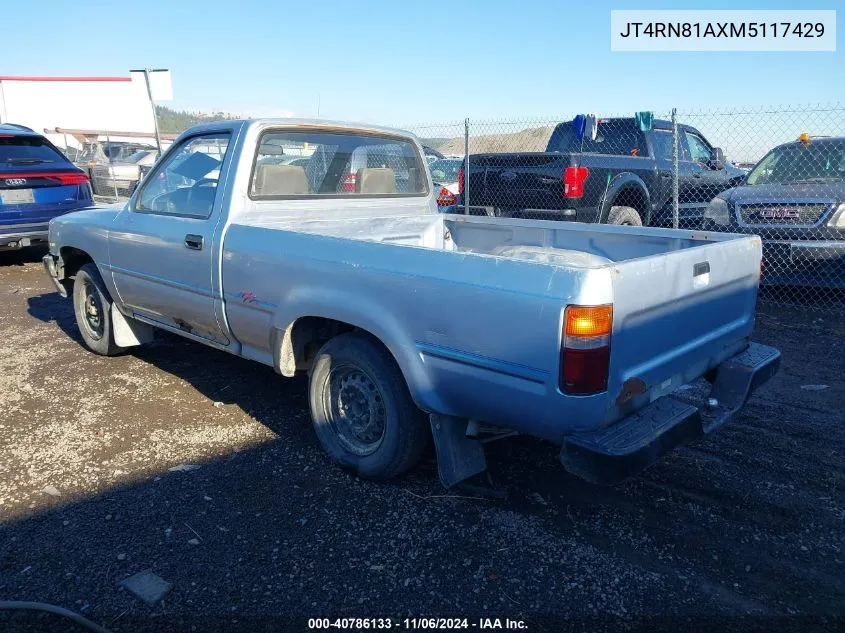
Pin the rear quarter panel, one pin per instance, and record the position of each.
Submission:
(475, 336)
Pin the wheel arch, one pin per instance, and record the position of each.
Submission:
(628, 190)
(295, 345)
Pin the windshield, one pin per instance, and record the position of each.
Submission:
(444, 171)
(820, 161)
(137, 157)
(27, 150)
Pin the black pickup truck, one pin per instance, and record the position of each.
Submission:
(622, 176)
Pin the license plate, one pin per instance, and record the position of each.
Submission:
(17, 196)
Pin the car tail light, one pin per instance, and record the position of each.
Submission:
(348, 184)
(446, 198)
(573, 181)
(460, 181)
(70, 178)
(585, 351)
(59, 177)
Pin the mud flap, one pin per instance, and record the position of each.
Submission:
(458, 457)
(128, 332)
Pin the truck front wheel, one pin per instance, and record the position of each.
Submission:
(626, 216)
(92, 306)
(362, 410)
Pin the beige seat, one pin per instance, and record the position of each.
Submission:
(375, 180)
(280, 180)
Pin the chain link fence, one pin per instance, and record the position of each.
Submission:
(774, 172)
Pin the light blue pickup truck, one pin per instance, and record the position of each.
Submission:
(413, 324)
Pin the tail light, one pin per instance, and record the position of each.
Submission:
(58, 177)
(573, 181)
(446, 198)
(70, 178)
(348, 184)
(585, 352)
(460, 181)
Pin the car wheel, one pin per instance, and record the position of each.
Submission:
(92, 306)
(361, 408)
(625, 216)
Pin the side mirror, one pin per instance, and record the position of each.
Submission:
(717, 158)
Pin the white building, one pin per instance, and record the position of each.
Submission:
(81, 103)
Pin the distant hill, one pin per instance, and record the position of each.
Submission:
(176, 121)
(528, 140)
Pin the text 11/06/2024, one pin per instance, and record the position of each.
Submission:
(418, 624)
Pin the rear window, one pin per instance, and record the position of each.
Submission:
(445, 170)
(336, 163)
(28, 150)
(613, 136)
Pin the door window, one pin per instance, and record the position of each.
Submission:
(186, 183)
(698, 149)
(662, 142)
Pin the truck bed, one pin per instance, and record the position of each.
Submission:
(683, 303)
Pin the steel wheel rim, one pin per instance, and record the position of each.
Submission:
(93, 307)
(356, 409)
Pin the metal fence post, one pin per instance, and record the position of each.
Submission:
(466, 166)
(675, 142)
(111, 170)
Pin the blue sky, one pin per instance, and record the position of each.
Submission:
(407, 62)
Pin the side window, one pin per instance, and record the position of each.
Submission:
(662, 142)
(328, 163)
(698, 150)
(186, 183)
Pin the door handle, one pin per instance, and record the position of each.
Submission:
(696, 175)
(194, 242)
(549, 181)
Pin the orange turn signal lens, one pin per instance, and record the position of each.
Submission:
(589, 320)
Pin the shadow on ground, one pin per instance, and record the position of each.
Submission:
(746, 522)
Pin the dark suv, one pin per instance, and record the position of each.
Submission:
(37, 183)
(794, 198)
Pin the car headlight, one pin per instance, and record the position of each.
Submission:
(838, 219)
(718, 212)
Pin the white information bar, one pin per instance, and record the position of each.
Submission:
(718, 30)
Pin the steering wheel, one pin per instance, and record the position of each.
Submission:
(202, 182)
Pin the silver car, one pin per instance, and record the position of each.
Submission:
(121, 177)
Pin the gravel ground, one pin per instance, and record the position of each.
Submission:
(96, 485)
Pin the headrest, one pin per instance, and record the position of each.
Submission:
(280, 180)
(375, 180)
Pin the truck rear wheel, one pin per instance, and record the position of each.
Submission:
(92, 306)
(361, 408)
(626, 216)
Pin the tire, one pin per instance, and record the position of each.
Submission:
(92, 307)
(627, 216)
(362, 410)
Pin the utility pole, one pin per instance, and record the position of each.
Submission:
(147, 72)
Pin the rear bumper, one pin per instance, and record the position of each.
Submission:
(566, 214)
(22, 238)
(633, 443)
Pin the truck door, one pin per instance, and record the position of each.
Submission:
(661, 196)
(702, 183)
(162, 249)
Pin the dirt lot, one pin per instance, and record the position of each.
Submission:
(266, 532)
